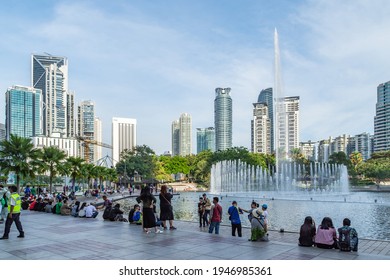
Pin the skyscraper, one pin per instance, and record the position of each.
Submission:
(382, 118)
(124, 136)
(23, 111)
(2, 132)
(261, 129)
(287, 119)
(50, 75)
(266, 97)
(70, 129)
(205, 139)
(185, 133)
(86, 128)
(98, 137)
(175, 129)
(223, 113)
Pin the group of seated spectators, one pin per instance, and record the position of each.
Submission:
(326, 237)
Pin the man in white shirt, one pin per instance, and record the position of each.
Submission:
(90, 211)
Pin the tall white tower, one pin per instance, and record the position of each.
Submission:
(124, 136)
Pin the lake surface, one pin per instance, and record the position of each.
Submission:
(369, 212)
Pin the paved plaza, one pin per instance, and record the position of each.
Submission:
(55, 237)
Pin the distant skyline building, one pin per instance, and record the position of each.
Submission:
(288, 125)
(382, 118)
(124, 136)
(205, 139)
(98, 154)
(70, 112)
(185, 134)
(339, 144)
(69, 145)
(323, 151)
(266, 96)
(23, 112)
(2, 132)
(223, 119)
(86, 129)
(308, 150)
(175, 132)
(261, 129)
(50, 75)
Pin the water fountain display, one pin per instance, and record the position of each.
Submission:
(291, 178)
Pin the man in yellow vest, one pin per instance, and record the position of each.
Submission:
(14, 207)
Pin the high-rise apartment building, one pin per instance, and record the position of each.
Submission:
(86, 129)
(2, 132)
(23, 111)
(175, 130)
(261, 129)
(124, 136)
(50, 75)
(288, 125)
(98, 138)
(323, 151)
(185, 134)
(205, 139)
(339, 144)
(308, 150)
(71, 124)
(382, 118)
(362, 143)
(223, 119)
(266, 97)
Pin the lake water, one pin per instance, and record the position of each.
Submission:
(369, 212)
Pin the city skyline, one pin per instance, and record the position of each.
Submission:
(158, 57)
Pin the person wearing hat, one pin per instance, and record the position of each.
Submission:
(234, 217)
(264, 207)
(257, 225)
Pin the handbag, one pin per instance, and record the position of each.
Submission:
(170, 205)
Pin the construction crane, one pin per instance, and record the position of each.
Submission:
(87, 142)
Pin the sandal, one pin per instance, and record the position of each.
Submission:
(172, 228)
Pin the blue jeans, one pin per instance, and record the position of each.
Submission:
(214, 225)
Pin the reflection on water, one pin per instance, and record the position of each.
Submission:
(369, 212)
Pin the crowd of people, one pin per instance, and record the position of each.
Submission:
(210, 215)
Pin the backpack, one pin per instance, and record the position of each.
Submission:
(344, 239)
(131, 214)
(106, 213)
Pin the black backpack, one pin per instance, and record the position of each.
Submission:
(344, 239)
(131, 214)
(106, 213)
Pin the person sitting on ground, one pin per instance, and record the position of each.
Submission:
(135, 215)
(307, 232)
(58, 207)
(348, 237)
(32, 205)
(90, 211)
(40, 205)
(25, 203)
(75, 209)
(65, 208)
(116, 214)
(48, 207)
(82, 210)
(257, 226)
(326, 237)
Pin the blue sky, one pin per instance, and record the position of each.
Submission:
(153, 60)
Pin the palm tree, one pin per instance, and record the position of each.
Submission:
(17, 155)
(88, 172)
(74, 165)
(52, 159)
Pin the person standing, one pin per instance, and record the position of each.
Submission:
(200, 210)
(14, 208)
(234, 217)
(5, 197)
(166, 212)
(149, 219)
(207, 209)
(215, 216)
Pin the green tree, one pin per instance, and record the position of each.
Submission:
(140, 159)
(377, 167)
(18, 155)
(339, 158)
(52, 162)
(73, 168)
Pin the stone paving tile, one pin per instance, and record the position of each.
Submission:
(58, 237)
